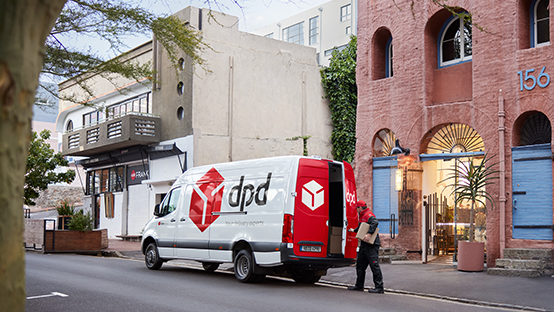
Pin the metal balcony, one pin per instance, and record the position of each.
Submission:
(114, 133)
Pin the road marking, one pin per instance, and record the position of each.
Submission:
(53, 294)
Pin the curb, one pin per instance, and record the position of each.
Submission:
(447, 298)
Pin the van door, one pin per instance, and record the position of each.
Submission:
(351, 215)
(167, 223)
(196, 218)
(311, 214)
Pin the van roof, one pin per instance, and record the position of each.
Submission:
(278, 163)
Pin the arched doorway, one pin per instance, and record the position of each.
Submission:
(532, 178)
(446, 222)
(385, 198)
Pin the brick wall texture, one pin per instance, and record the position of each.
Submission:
(420, 97)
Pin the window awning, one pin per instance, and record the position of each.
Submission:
(447, 156)
(163, 150)
(134, 153)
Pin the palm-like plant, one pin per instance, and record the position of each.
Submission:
(468, 181)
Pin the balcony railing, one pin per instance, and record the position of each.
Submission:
(114, 133)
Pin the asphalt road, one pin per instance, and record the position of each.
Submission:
(64, 282)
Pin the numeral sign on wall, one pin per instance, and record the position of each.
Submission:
(542, 80)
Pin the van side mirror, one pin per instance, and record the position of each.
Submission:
(157, 210)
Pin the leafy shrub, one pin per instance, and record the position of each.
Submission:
(339, 83)
(81, 222)
(65, 209)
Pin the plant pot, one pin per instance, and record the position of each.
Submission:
(76, 241)
(471, 256)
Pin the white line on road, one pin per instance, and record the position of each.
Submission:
(49, 295)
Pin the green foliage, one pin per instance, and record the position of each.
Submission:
(81, 222)
(468, 182)
(65, 209)
(41, 162)
(339, 83)
(304, 142)
(112, 21)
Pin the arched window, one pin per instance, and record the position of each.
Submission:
(383, 143)
(455, 138)
(389, 59)
(69, 126)
(540, 29)
(536, 130)
(455, 44)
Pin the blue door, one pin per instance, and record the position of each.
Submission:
(385, 196)
(532, 192)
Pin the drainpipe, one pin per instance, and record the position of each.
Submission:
(230, 107)
(502, 163)
(320, 54)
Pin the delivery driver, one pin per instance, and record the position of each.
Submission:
(368, 254)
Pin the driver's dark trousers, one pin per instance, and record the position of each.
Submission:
(368, 254)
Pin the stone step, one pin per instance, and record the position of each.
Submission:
(523, 264)
(514, 272)
(528, 254)
(390, 258)
(386, 251)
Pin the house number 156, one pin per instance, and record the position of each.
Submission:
(534, 80)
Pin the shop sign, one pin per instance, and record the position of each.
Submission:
(135, 174)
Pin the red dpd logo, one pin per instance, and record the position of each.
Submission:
(206, 199)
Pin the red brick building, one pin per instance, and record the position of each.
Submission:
(447, 90)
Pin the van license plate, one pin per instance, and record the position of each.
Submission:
(310, 248)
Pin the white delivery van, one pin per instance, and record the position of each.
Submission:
(282, 215)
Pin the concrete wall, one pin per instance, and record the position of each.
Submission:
(251, 95)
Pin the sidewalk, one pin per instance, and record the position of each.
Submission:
(427, 280)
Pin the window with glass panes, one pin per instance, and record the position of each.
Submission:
(456, 44)
(141, 104)
(93, 118)
(345, 12)
(314, 29)
(294, 33)
(105, 180)
(541, 23)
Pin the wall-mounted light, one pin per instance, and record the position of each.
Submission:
(397, 149)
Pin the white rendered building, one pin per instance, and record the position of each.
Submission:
(324, 27)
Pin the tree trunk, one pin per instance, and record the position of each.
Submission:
(24, 26)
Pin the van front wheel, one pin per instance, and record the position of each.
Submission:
(152, 257)
(244, 267)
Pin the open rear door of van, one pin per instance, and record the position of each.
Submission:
(351, 213)
(319, 217)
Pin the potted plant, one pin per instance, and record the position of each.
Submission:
(81, 237)
(81, 222)
(468, 181)
(65, 212)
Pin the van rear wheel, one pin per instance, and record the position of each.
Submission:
(304, 276)
(210, 266)
(244, 267)
(152, 257)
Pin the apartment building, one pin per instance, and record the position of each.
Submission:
(325, 27)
